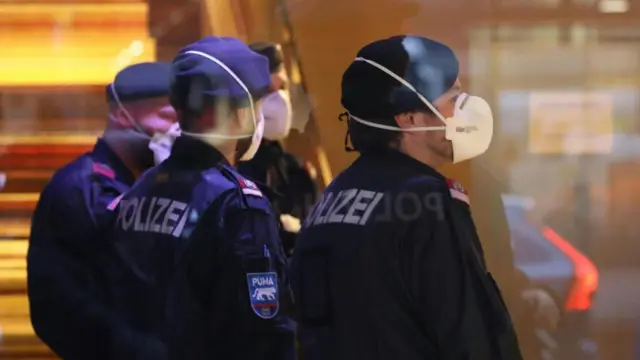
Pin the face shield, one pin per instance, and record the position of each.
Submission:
(250, 119)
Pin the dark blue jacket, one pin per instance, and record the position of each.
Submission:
(389, 266)
(66, 258)
(290, 187)
(205, 269)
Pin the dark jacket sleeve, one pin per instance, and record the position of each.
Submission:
(248, 244)
(67, 306)
(302, 187)
(440, 285)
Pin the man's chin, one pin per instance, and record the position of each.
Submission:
(450, 156)
(445, 155)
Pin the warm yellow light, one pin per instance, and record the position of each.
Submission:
(613, 6)
(61, 54)
(83, 58)
(18, 9)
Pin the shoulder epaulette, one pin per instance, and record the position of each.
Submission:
(104, 170)
(458, 191)
(249, 187)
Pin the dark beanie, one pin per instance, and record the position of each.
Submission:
(271, 51)
(370, 93)
(197, 80)
(140, 81)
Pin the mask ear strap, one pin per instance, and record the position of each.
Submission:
(395, 128)
(405, 83)
(112, 88)
(347, 137)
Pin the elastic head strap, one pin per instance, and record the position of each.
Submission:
(405, 83)
(112, 88)
(395, 128)
(408, 85)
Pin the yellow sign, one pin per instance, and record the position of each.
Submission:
(570, 122)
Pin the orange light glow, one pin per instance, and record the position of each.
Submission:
(71, 44)
(586, 274)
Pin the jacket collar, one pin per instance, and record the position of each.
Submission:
(195, 153)
(103, 155)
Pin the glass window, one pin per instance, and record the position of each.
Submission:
(562, 79)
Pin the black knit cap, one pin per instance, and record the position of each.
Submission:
(371, 94)
(140, 81)
(271, 51)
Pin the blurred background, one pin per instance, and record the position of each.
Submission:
(562, 76)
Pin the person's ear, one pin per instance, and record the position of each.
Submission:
(119, 116)
(405, 120)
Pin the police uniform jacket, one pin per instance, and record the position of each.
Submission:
(66, 259)
(290, 187)
(389, 266)
(205, 270)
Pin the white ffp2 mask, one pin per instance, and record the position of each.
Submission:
(470, 129)
(256, 140)
(214, 136)
(277, 111)
(161, 143)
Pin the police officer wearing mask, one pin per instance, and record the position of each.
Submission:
(291, 189)
(66, 257)
(389, 265)
(204, 265)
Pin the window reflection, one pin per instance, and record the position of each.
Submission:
(543, 155)
(538, 67)
(530, 3)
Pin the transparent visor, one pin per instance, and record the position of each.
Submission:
(221, 131)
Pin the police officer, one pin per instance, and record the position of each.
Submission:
(66, 257)
(291, 189)
(204, 264)
(388, 265)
